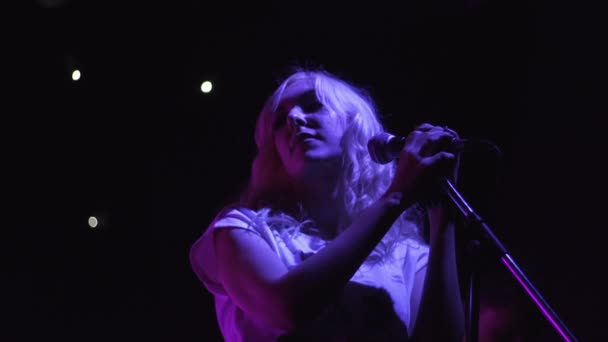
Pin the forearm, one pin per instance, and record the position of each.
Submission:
(312, 285)
(441, 314)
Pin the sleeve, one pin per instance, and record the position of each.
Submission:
(202, 253)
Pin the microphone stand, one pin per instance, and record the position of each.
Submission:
(472, 314)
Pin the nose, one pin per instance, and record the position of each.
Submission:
(296, 117)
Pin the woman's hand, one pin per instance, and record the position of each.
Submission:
(423, 160)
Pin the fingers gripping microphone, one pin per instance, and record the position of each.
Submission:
(385, 147)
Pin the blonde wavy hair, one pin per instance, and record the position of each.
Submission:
(361, 182)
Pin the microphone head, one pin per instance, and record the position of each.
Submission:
(381, 148)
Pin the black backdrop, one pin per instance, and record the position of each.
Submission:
(137, 144)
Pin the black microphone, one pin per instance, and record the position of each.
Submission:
(385, 147)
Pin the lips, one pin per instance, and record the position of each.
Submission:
(301, 136)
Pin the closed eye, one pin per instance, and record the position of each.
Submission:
(312, 107)
(309, 102)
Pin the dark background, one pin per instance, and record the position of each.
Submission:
(137, 144)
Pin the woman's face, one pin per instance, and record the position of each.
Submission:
(306, 133)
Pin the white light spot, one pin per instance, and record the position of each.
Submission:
(93, 222)
(76, 75)
(206, 87)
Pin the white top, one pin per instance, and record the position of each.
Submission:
(377, 297)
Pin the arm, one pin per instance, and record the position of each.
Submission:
(261, 285)
(436, 304)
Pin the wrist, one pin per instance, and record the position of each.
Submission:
(439, 222)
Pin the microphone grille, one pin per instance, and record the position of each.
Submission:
(378, 148)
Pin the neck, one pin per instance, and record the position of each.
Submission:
(325, 207)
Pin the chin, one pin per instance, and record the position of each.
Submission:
(320, 155)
